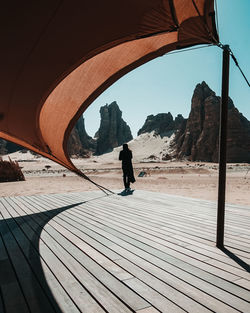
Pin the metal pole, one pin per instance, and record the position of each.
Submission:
(223, 148)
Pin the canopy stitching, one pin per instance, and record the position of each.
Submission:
(173, 13)
(204, 22)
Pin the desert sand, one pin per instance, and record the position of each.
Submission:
(190, 179)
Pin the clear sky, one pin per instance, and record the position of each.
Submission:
(166, 84)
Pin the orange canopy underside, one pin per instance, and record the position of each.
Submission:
(58, 56)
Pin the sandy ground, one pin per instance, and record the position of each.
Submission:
(190, 179)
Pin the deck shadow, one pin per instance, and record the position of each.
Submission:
(14, 232)
(238, 260)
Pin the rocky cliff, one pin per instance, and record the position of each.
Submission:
(162, 124)
(195, 138)
(8, 147)
(80, 143)
(198, 138)
(113, 130)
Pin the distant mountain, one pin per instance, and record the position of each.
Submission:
(195, 138)
(199, 138)
(162, 124)
(113, 130)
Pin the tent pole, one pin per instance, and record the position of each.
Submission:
(223, 148)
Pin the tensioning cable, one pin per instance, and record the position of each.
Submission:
(220, 45)
(102, 188)
(237, 64)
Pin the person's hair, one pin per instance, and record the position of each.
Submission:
(125, 146)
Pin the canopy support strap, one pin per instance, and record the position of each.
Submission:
(102, 188)
(223, 148)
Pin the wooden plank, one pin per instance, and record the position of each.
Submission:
(178, 296)
(176, 227)
(77, 291)
(120, 216)
(217, 292)
(184, 219)
(2, 309)
(178, 265)
(157, 240)
(217, 249)
(158, 245)
(218, 261)
(193, 242)
(23, 271)
(161, 246)
(104, 296)
(145, 235)
(100, 244)
(231, 261)
(192, 210)
(180, 236)
(11, 299)
(147, 226)
(109, 281)
(245, 255)
(155, 298)
(194, 218)
(180, 204)
(148, 310)
(201, 302)
(59, 280)
(243, 283)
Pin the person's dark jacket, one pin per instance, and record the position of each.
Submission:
(126, 157)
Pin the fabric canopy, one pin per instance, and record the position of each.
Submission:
(57, 56)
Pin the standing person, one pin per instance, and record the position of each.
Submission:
(128, 174)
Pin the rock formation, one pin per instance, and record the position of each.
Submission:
(198, 137)
(162, 124)
(80, 143)
(195, 138)
(8, 147)
(113, 130)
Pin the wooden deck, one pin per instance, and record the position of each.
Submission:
(144, 253)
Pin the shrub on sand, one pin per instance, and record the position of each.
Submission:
(10, 171)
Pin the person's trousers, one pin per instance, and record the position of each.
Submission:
(126, 180)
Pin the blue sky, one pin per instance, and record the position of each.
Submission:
(166, 84)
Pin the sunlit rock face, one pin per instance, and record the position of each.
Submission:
(199, 139)
(113, 130)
